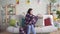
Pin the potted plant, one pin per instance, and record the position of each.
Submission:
(58, 13)
(53, 1)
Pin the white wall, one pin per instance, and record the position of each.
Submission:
(37, 8)
(23, 7)
(5, 2)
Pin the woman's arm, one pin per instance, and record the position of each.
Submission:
(34, 19)
(40, 16)
(26, 20)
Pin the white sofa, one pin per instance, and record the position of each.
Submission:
(44, 29)
(13, 29)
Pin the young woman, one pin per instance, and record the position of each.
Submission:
(30, 21)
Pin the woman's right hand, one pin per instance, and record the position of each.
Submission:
(40, 15)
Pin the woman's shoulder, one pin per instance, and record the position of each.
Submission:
(28, 15)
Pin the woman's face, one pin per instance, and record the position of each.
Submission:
(31, 12)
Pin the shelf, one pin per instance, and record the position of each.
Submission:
(10, 10)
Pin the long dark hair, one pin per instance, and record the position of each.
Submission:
(29, 10)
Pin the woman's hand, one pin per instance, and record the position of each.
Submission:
(40, 15)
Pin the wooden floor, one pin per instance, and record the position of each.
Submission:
(56, 32)
(5, 32)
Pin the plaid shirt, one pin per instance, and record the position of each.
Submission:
(30, 19)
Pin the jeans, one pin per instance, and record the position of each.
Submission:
(31, 28)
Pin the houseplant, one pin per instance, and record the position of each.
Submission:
(58, 13)
(53, 1)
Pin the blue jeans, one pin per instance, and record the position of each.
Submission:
(31, 28)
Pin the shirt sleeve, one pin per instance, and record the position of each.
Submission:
(34, 19)
(27, 19)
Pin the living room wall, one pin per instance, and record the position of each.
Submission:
(40, 7)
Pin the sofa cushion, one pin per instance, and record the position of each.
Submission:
(46, 29)
(13, 29)
(12, 22)
(47, 22)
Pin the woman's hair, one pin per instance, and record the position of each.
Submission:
(29, 10)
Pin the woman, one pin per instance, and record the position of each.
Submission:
(30, 21)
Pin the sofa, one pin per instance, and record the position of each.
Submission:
(39, 29)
